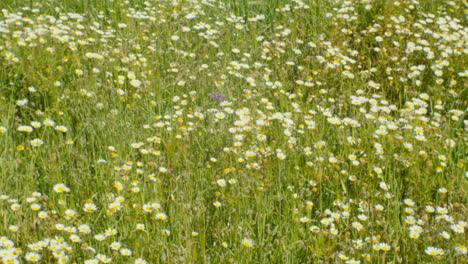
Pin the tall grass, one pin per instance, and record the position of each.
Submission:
(233, 131)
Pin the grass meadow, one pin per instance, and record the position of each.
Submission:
(233, 131)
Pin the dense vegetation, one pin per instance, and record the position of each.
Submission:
(209, 131)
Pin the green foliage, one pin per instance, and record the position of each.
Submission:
(233, 131)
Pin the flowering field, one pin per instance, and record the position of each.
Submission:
(233, 131)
